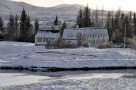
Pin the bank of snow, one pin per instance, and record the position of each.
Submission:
(27, 55)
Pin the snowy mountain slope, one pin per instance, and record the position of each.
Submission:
(64, 11)
(7, 7)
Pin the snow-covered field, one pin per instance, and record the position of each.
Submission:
(82, 84)
(13, 79)
(27, 54)
(62, 81)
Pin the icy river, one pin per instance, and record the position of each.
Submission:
(68, 80)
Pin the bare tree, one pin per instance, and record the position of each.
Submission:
(80, 39)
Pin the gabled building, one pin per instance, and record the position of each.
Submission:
(91, 36)
(48, 34)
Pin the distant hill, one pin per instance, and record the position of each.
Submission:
(64, 11)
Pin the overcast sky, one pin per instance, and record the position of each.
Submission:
(107, 4)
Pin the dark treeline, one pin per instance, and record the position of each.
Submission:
(19, 29)
(121, 25)
(22, 29)
(118, 24)
(86, 18)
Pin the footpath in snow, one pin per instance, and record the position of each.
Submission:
(27, 54)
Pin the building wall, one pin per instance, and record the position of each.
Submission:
(96, 40)
(92, 37)
(43, 41)
(73, 42)
(92, 40)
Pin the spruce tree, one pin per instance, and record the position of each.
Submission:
(30, 31)
(24, 26)
(1, 28)
(80, 19)
(64, 25)
(11, 28)
(117, 27)
(23, 20)
(128, 27)
(134, 23)
(16, 28)
(122, 29)
(87, 17)
(36, 23)
(97, 24)
(31, 34)
(131, 30)
(109, 26)
(56, 22)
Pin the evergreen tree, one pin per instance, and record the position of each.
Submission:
(131, 30)
(118, 24)
(87, 17)
(80, 19)
(122, 27)
(31, 34)
(56, 22)
(134, 23)
(30, 30)
(16, 28)
(24, 26)
(64, 25)
(1, 28)
(128, 27)
(11, 28)
(23, 32)
(117, 27)
(109, 25)
(36, 26)
(97, 24)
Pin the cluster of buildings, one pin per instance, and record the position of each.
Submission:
(93, 37)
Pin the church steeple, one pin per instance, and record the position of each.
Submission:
(56, 24)
(56, 21)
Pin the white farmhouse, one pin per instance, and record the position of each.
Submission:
(43, 37)
(91, 36)
(48, 34)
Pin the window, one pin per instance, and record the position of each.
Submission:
(93, 36)
(69, 41)
(51, 39)
(45, 39)
(39, 39)
(71, 35)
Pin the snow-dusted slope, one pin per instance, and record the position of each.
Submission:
(27, 55)
(7, 7)
(64, 11)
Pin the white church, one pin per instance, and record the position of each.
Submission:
(93, 37)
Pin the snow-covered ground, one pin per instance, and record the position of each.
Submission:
(13, 79)
(122, 80)
(82, 84)
(27, 54)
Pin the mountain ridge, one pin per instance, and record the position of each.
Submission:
(64, 11)
(67, 12)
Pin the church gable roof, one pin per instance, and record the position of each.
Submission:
(72, 33)
(43, 34)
